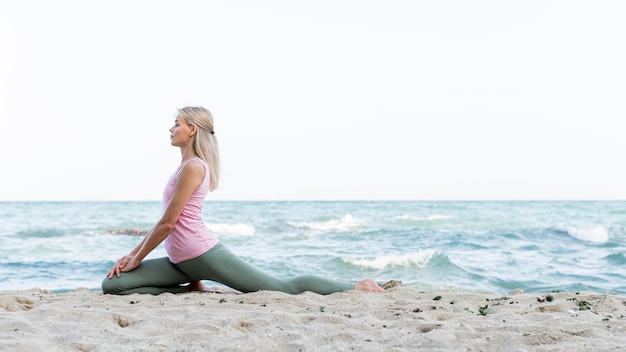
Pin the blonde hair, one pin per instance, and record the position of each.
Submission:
(205, 143)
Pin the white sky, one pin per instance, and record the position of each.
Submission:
(331, 99)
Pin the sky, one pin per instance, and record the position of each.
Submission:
(317, 100)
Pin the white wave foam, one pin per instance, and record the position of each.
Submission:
(418, 218)
(594, 234)
(231, 229)
(421, 259)
(343, 224)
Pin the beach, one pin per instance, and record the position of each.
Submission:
(477, 276)
(402, 319)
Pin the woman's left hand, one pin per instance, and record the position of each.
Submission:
(124, 264)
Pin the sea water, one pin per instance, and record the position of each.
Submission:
(495, 245)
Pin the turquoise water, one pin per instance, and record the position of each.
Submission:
(494, 246)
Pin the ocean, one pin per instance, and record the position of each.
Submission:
(497, 246)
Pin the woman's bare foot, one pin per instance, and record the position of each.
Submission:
(198, 286)
(368, 285)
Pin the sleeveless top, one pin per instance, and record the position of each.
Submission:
(190, 237)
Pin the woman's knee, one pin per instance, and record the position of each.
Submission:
(112, 286)
(107, 286)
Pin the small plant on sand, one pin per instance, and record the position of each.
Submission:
(437, 298)
(322, 308)
(483, 310)
(584, 305)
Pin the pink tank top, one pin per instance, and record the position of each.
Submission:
(190, 237)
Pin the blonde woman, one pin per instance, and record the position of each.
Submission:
(194, 254)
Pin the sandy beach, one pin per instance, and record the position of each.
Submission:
(402, 319)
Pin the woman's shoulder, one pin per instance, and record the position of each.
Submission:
(195, 164)
(192, 173)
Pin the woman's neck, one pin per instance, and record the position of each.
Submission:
(187, 154)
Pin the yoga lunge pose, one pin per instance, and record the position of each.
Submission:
(193, 253)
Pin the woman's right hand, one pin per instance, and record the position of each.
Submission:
(124, 264)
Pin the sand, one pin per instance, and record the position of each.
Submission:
(403, 319)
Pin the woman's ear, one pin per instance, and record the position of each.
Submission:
(192, 131)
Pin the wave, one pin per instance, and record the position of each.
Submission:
(231, 229)
(124, 231)
(418, 218)
(616, 258)
(346, 223)
(592, 233)
(216, 228)
(420, 259)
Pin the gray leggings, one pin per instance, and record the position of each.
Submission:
(156, 276)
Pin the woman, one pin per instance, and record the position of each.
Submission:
(194, 254)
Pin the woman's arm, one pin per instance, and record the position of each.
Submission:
(134, 251)
(189, 178)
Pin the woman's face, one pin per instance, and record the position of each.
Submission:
(181, 133)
